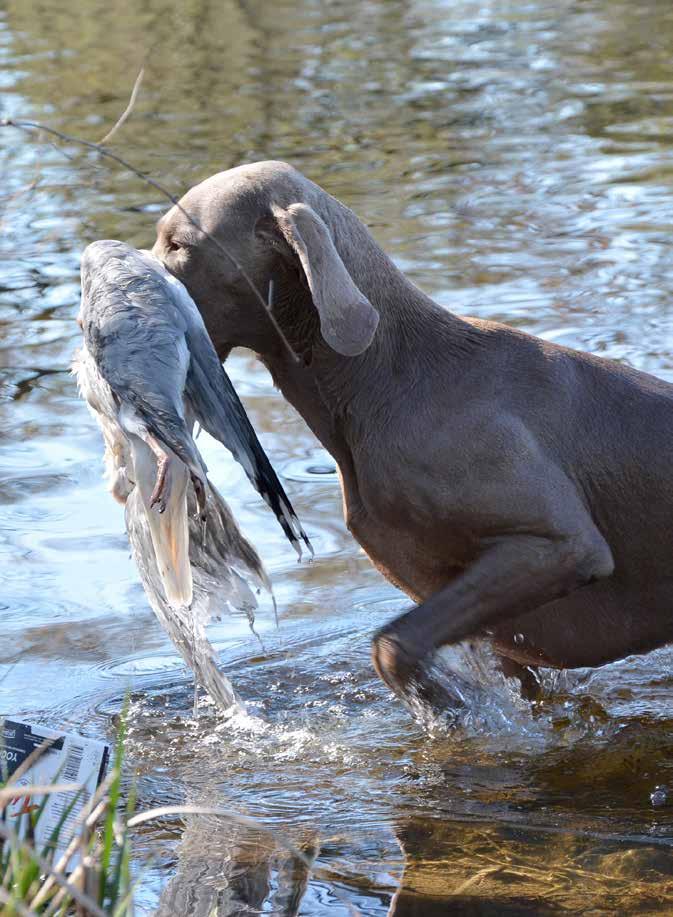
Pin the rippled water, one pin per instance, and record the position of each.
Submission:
(516, 159)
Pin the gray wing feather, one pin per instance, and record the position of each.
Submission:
(156, 361)
(137, 336)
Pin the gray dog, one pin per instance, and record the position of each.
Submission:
(513, 488)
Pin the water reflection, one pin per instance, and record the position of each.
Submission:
(515, 159)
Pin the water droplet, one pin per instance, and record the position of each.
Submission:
(659, 797)
(321, 469)
(518, 638)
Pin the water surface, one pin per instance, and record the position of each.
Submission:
(515, 158)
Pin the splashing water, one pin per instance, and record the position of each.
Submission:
(472, 692)
(472, 697)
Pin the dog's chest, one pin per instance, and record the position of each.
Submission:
(418, 560)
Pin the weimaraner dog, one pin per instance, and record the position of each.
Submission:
(515, 489)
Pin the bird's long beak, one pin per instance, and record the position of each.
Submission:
(169, 529)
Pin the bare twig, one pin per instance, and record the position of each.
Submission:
(26, 189)
(476, 878)
(7, 200)
(127, 111)
(30, 126)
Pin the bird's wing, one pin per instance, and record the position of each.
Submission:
(137, 337)
(220, 412)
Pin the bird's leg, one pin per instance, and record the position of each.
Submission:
(158, 497)
(162, 479)
(200, 492)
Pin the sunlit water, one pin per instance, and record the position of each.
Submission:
(516, 160)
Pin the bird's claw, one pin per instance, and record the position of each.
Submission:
(158, 498)
(200, 493)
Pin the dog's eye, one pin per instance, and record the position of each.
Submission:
(173, 246)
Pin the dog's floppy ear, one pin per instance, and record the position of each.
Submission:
(348, 321)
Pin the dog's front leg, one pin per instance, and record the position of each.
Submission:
(512, 575)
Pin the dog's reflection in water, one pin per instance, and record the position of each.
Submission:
(227, 870)
(440, 866)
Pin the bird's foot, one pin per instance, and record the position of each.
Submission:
(159, 496)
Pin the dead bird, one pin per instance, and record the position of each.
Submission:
(148, 371)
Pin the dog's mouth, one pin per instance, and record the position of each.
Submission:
(223, 351)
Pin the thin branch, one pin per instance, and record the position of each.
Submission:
(26, 189)
(477, 877)
(127, 111)
(9, 199)
(30, 126)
